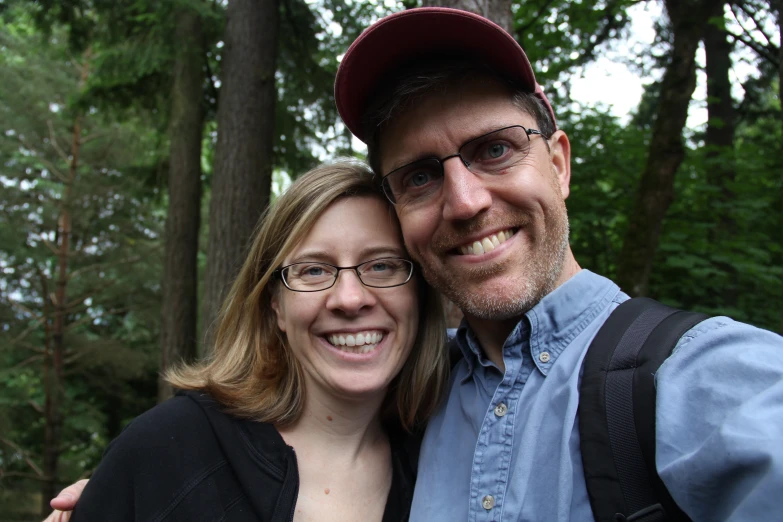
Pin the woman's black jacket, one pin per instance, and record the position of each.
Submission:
(185, 460)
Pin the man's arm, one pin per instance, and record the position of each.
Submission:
(719, 422)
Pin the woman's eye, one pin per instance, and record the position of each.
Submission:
(380, 267)
(314, 271)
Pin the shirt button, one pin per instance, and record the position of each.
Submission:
(488, 502)
(500, 410)
(543, 357)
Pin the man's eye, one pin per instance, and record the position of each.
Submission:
(494, 151)
(418, 178)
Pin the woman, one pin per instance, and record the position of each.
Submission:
(329, 349)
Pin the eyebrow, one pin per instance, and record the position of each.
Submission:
(425, 156)
(368, 253)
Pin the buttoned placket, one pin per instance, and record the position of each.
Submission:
(492, 457)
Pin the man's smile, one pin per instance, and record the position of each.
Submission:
(487, 243)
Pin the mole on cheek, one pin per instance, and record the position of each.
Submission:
(329, 418)
(326, 491)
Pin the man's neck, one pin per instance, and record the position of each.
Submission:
(492, 335)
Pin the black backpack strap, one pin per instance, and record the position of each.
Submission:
(617, 411)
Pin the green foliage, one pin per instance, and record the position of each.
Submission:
(735, 269)
(114, 263)
(313, 35)
(561, 35)
(607, 158)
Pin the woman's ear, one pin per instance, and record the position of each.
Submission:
(279, 312)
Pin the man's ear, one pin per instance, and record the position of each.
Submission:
(560, 156)
(278, 310)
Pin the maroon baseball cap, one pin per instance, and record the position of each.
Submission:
(405, 36)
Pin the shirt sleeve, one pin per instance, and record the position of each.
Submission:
(719, 422)
(150, 466)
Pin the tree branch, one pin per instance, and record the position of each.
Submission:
(93, 136)
(28, 361)
(22, 307)
(536, 17)
(51, 246)
(88, 318)
(74, 302)
(30, 463)
(36, 407)
(752, 17)
(49, 165)
(603, 36)
(27, 330)
(103, 265)
(20, 474)
(55, 145)
(755, 46)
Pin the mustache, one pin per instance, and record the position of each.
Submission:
(450, 236)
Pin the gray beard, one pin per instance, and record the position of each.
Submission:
(540, 278)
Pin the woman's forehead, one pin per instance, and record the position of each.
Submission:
(353, 226)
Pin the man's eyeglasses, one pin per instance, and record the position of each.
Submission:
(378, 273)
(489, 154)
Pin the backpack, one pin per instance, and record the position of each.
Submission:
(617, 411)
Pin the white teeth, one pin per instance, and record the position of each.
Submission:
(363, 342)
(487, 244)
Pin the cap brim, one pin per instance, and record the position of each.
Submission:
(412, 34)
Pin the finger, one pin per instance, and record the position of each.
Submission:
(67, 498)
(59, 516)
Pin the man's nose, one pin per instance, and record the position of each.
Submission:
(464, 193)
(348, 294)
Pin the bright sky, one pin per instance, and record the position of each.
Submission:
(609, 81)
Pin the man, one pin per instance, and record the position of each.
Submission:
(468, 149)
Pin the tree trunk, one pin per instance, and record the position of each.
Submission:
(779, 6)
(499, 11)
(666, 152)
(244, 155)
(722, 118)
(721, 125)
(54, 385)
(180, 272)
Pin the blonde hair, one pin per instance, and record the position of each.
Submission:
(252, 371)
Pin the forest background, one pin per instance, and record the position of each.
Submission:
(141, 140)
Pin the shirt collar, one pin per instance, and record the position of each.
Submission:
(553, 323)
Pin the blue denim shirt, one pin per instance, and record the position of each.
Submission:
(505, 447)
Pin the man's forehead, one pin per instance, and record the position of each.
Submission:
(448, 119)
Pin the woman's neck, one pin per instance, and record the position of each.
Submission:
(346, 427)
